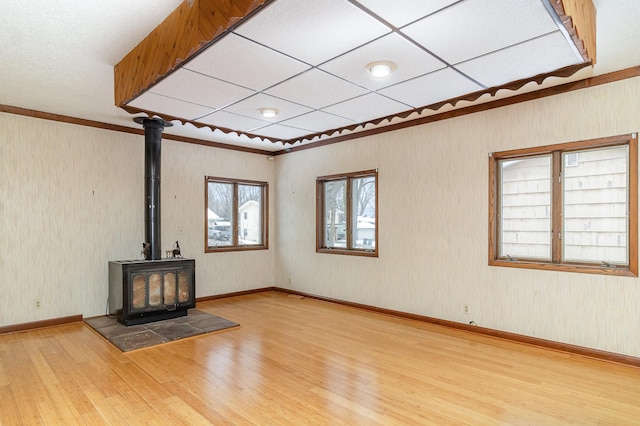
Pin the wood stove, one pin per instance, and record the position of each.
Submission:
(142, 291)
(152, 289)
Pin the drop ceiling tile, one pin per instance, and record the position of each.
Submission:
(476, 27)
(323, 29)
(541, 55)
(162, 104)
(281, 132)
(318, 121)
(411, 62)
(431, 88)
(316, 89)
(367, 107)
(232, 121)
(200, 89)
(250, 107)
(401, 12)
(240, 61)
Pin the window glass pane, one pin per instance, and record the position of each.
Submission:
(525, 208)
(249, 215)
(363, 209)
(335, 193)
(595, 205)
(219, 214)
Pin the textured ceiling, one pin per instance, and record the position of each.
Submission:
(59, 58)
(308, 60)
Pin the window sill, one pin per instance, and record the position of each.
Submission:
(621, 271)
(234, 248)
(363, 253)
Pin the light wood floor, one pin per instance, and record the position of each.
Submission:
(298, 361)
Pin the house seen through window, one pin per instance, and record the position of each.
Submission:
(236, 214)
(568, 207)
(347, 213)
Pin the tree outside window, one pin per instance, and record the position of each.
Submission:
(236, 214)
(347, 213)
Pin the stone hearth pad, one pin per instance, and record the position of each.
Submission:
(141, 336)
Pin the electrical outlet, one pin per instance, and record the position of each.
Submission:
(466, 309)
(38, 305)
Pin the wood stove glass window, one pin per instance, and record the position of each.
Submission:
(236, 214)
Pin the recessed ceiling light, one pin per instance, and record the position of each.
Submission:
(268, 112)
(381, 69)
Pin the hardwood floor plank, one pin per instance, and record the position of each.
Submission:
(9, 413)
(305, 361)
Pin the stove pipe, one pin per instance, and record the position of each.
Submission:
(153, 128)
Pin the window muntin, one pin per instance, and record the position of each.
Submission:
(236, 214)
(570, 207)
(347, 213)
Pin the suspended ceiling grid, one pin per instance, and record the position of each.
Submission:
(308, 60)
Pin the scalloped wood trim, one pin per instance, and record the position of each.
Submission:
(196, 24)
(513, 86)
(611, 77)
(193, 26)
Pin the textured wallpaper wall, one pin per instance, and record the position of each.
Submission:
(433, 212)
(72, 198)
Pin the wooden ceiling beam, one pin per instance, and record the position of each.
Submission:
(193, 26)
(579, 18)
